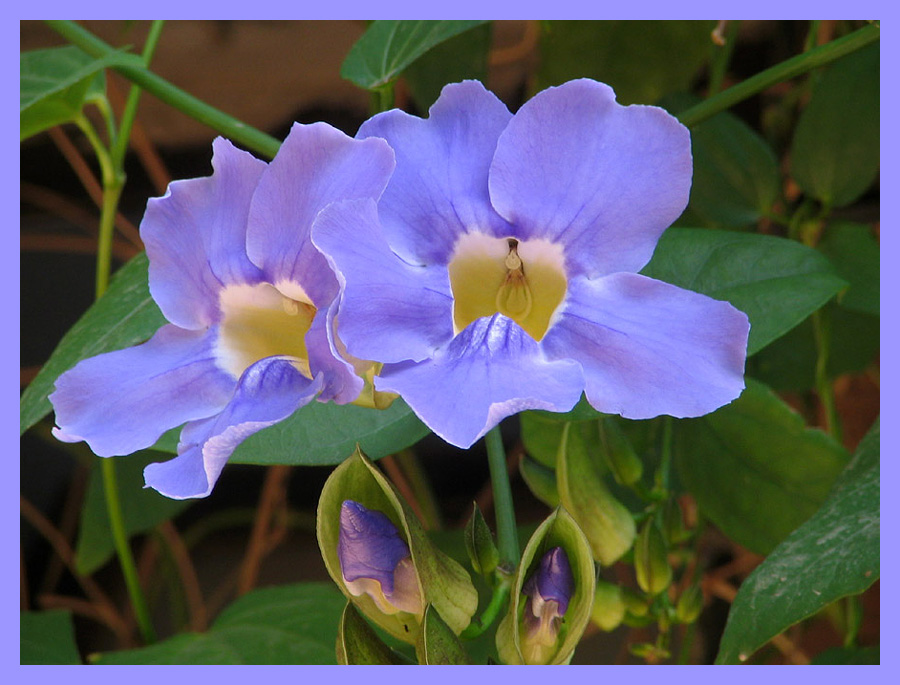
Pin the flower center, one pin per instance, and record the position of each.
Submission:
(525, 281)
(260, 321)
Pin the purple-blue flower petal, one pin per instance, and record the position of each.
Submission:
(439, 188)
(195, 236)
(491, 370)
(650, 348)
(269, 391)
(341, 382)
(369, 545)
(552, 579)
(390, 310)
(573, 166)
(316, 165)
(123, 401)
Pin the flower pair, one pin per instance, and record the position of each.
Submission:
(492, 270)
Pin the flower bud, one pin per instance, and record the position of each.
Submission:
(619, 454)
(651, 564)
(673, 523)
(377, 552)
(480, 544)
(689, 605)
(609, 606)
(376, 561)
(550, 601)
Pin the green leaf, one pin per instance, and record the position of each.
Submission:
(390, 46)
(835, 151)
(736, 178)
(462, 57)
(125, 315)
(754, 467)
(47, 637)
(863, 656)
(358, 644)
(776, 282)
(833, 555)
(288, 624)
(437, 644)
(56, 83)
(142, 509)
(855, 254)
(641, 60)
(321, 433)
(789, 363)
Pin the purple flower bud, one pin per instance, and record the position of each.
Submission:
(376, 561)
(547, 593)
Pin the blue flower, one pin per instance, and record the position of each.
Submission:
(547, 594)
(498, 271)
(376, 561)
(250, 303)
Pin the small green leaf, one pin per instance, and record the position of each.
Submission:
(287, 624)
(142, 509)
(856, 257)
(56, 83)
(462, 57)
(776, 282)
(125, 315)
(437, 644)
(480, 544)
(835, 152)
(358, 644)
(47, 637)
(390, 46)
(641, 60)
(606, 522)
(321, 433)
(833, 555)
(754, 467)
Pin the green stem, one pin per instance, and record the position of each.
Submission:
(824, 387)
(382, 98)
(120, 146)
(421, 489)
(665, 462)
(811, 35)
(483, 622)
(788, 69)
(721, 58)
(181, 100)
(507, 540)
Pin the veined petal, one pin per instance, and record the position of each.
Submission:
(316, 165)
(122, 401)
(268, 392)
(491, 370)
(574, 166)
(390, 310)
(439, 188)
(195, 236)
(651, 348)
(341, 381)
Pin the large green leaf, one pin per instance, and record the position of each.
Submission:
(328, 433)
(835, 151)
(125, 315)
(462, 57)
(834, 554)
(856, 257)
(47, 637)
(389, 46)
(142, 509)
(775, 281)
(754, 467)
(288, 624)
(56, 83)
(641, 60)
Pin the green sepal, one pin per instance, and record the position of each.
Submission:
(651, 565)
(616, 449)
(689, 605)
(636, 604)
(480, 544)
(358, 644)
(605, 521)
(609, 606)
(437, 643)
(444, 583)
(558, 530)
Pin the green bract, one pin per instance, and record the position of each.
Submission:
(558, 530)
(445, 584)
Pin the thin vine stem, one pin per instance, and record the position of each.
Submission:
(507, 539)
(239, 132)
(784, 71)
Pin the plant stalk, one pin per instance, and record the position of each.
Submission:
(507, 539)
